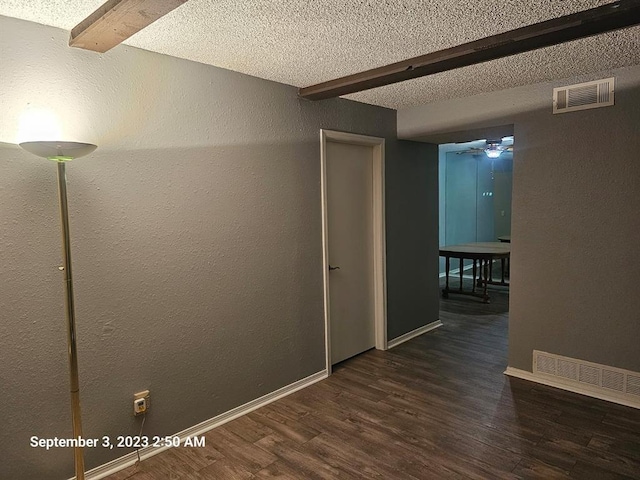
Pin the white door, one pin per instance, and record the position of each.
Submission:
(350, 244)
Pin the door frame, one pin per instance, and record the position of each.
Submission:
(379, 242)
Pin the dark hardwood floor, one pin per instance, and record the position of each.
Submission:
(435, 407)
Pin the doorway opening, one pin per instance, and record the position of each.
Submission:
(475, 185)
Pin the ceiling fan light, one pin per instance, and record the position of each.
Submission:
(492, 151)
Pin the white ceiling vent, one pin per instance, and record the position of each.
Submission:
(582, 96)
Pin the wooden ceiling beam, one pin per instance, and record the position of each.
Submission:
(117, 20)
(613, 16)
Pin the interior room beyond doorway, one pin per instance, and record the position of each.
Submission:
(475, 183)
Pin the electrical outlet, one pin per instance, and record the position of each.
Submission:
(141, 402)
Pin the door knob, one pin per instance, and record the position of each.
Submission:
(333, 268)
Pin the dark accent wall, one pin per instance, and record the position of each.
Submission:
(575, 232)
(412, 237)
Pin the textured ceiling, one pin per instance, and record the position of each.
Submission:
(302, 42)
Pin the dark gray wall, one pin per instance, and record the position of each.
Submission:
(575, 231)
(412, 237)
(196, 230)
(576, 196)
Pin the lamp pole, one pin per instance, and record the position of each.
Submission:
(62, 152)
(74, 380)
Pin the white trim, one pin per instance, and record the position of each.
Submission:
(131, 458)
(414, 333)
(379, 246)
(379, 242)
(325, 249)
(556, 382)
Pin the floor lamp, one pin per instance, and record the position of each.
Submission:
(62, 152)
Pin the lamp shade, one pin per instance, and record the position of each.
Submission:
(60, 151)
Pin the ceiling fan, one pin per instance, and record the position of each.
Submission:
(492, 149)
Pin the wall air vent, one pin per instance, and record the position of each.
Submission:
(593, 376)
(582, 96)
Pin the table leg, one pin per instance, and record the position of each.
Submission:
(485, 297)
(461, 272)
(475, 271)
(490, 270)
(445, 292)
(503, 264)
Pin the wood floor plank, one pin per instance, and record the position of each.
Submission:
(278, 470)
(348, 457)
(197, 457)
(529, 469)
(233, 447)
(589, 471)
(301, 460)
(624, 444)
(283, 426)
(380, 450)
(168, 466)
(224, 469)
(622, 421)
(606, 460)
(248, 429)
(131, 473)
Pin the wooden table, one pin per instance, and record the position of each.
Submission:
(483, 252)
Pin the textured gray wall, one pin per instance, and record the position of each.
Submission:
(575, 224)
(412, 237)
(575, 231)
(196, 234)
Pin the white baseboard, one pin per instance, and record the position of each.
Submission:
(552, 381)
(456, 271)
(413, 333)
(131, 458)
